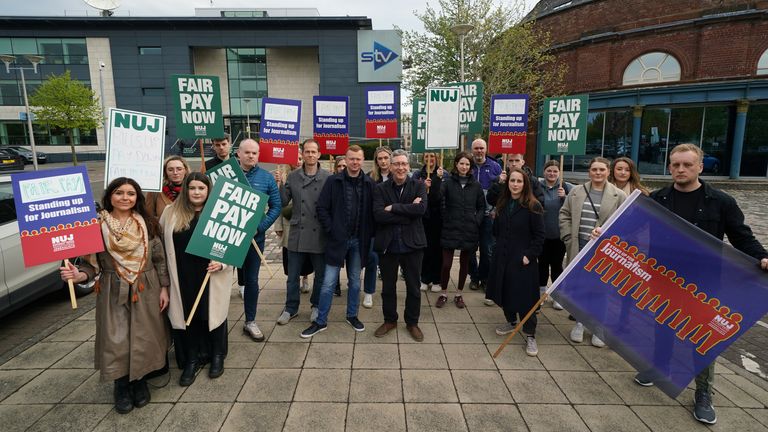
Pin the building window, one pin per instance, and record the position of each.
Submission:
(653, 67)
(14, 132)
(247, 77)
(153, 91)
(57, 51)
(150, 50)
(244, 14)
(762, 64)
(754, 159)
(609, 134)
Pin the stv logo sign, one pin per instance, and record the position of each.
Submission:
(380, 56)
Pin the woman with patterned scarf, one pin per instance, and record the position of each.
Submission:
(132, 294)
(175, 168)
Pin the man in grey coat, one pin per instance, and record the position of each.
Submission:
(306, 238)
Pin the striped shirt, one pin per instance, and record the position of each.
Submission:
(588, 217)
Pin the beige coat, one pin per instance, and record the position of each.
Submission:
(156, 203)
(219, 284)
(570, 213)
(132, 338)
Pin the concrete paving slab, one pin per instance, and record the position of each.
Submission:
(12, 380)
(514, 357)
(143, 419)
(670, 418)
(462, 333)
(686, 398)
(434, 417)
(610, 418)
(752, 389)
(290, 332)
(428, 386)
(533, 387)
(282, 355)
(76, 331)
(735, 394)
(323, 385)
(51, 386)
(604, 359)
(18, 418)
(422, 356)
(166, 388)
(376, 356)
(623, 383)
(562, 358)
(261, 417)
(546, 418)
(429, 330)
(479, 386)
(367, 337)
(75, 417)
(80, 358)
(370, 385)
(362, 417)
(488, 333)
(338, 332)
(469, 356)
(222, 389)
(329, 355)
(736, 419)
(92, 391)
(547, 334)
(242, 354)
(451, 314)
(269, 385)
(40, 356)
(482, 314)
(761, 415)
(88, 316)
(316, 417)
(585, 388)
(195, 416)
(493, 418)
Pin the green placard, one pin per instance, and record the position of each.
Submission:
(197, 101)
(228, 222)
(418, 125)
(564, 125)
(471, 116)
(230, 169)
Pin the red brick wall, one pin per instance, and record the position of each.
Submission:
(727, 49)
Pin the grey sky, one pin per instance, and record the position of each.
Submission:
(384, 13)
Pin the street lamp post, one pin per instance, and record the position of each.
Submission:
(35, 60)
(461, 31)
(247, 117)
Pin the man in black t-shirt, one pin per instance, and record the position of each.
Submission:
(717, 213)
(221, 149)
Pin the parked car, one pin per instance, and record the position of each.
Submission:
(711, 164)
(9, 162)
(20, 285)
(26, 154)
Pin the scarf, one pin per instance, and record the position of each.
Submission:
(127, 247)
(171, 191)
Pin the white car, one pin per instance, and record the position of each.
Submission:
(20, 285)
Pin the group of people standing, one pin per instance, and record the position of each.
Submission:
(388, 220)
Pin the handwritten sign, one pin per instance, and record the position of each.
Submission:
(136, 148)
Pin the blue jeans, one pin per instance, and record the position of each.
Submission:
(251, 268)
(479, 272)
(354, 265)
(295, 263)
(369, 281)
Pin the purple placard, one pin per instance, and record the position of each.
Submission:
(280, 121)
(331, 123)
(662, 292)
(508, 123)
(381, 103)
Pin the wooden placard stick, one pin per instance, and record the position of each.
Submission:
(202, 155)
(561, 169)
(520, 325)
(71, 284)
(197, 300)
(263, 259)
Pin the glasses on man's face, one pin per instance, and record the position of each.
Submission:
(400, 164)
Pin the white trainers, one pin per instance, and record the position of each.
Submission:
(488, 302)
(577, 333)
(313, 315)
(556, 305)
(436, 288)
(530, 346)
(597, 342)
(368, 301)
(242, 291)
(285, 317)
(304, 285)
(252, 330)
(424, 286)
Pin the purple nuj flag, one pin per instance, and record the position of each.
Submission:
(665, 295)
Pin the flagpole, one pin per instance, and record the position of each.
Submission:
(520, 325)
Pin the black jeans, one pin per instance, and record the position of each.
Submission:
(411, 265)
(551, 260)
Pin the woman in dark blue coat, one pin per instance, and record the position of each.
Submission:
(462, 208)
(519, 230)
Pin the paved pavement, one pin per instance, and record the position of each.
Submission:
(343, 380)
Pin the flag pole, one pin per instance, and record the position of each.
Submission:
(520, 325)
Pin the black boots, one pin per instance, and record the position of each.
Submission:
(217, 366)
(123, 400)
(189, 373)
(140, 393)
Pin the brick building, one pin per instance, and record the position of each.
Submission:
(663, 73)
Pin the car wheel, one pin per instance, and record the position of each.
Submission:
(83, 288)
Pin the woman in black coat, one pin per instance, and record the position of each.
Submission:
(462, 205)
(431, 174)
(519, 230)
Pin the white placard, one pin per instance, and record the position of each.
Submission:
(278, 112)
(381, 97)
(443, 122)
(330, 109)
(509, 106)
(48, 188)
(136, 148)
